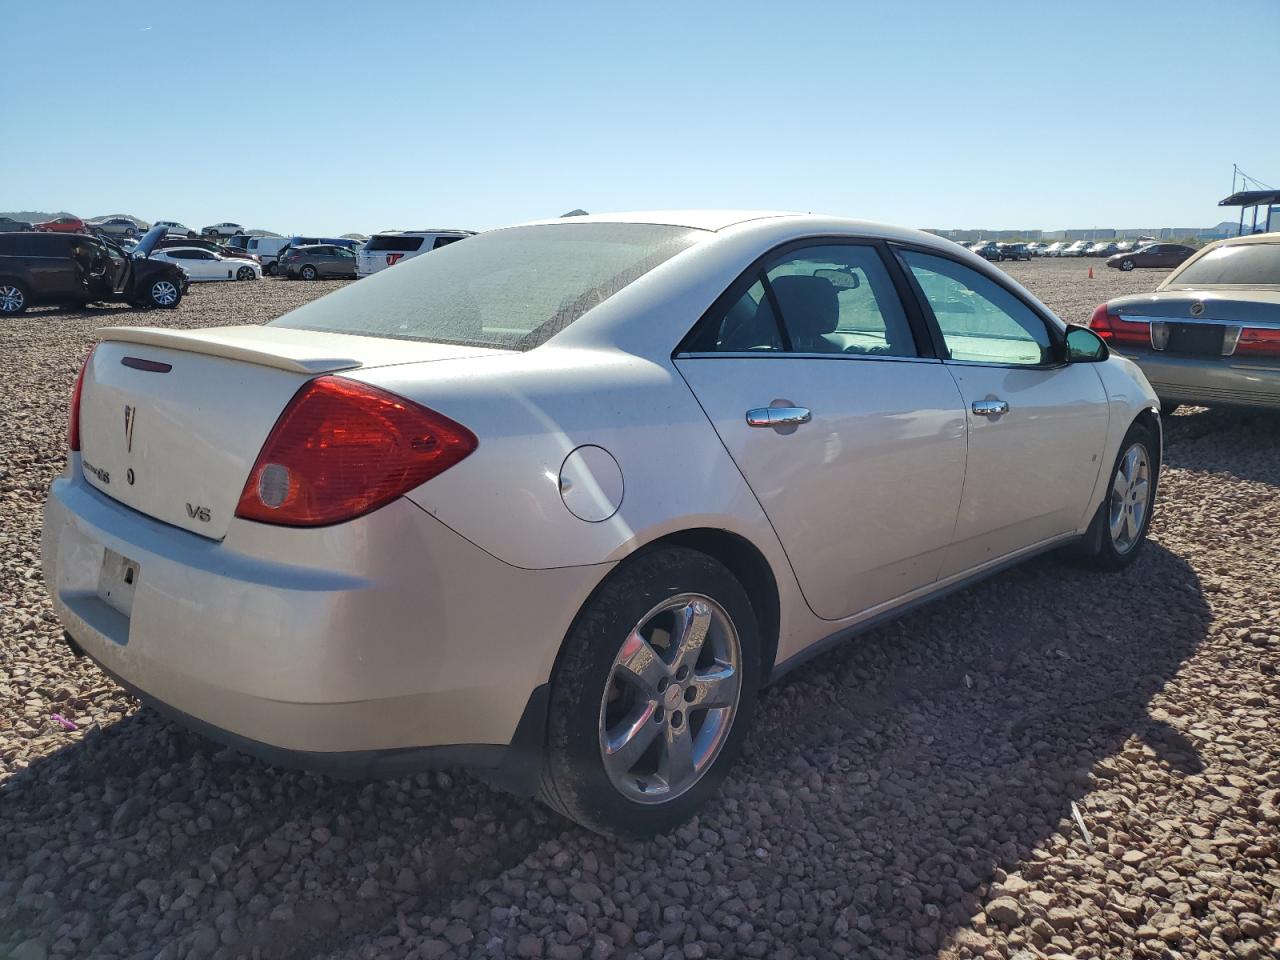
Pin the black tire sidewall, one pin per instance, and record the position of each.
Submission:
(580, 783)
(1105, 553)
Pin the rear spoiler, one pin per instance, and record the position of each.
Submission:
(263, 346)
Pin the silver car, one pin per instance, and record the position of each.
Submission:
(557, 501)
(1210, 334)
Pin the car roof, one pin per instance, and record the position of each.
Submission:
(714, 220)
(421, 233)
(1249, 238)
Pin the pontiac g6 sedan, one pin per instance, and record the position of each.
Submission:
(556, 502)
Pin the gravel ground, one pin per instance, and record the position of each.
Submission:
(912, 794)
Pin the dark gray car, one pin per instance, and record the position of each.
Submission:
(1210, 334)
(318, 262)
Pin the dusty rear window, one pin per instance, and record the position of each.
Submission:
(512, 289)
(1248, 264)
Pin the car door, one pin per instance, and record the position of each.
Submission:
(1037, 426)
(328, 262)
(848, 431)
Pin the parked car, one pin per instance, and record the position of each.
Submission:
(267, 250)
(222, 230)
(1076, 249)
(1104, 249)
(1153, 255)
(204, 265)
(62, 225)
(1124, 246)
(75, 269)
(1055, 249)
(390, 247)
(171, 242)
(456, 437)
(240, 242)
(320, 261)
(1210, 334)
(1012, 251)
(117, 228)
(1036, 249)
(987, 249)
(175, 229)
(9, 225)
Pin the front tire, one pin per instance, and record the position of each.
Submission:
(164, 294)
(1126, 264)
(309, 272)
(245, 273)
(13, 298)
(652, 695)
(1119, 528)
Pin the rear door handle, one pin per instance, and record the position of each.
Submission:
(990, 408)
(777, 416)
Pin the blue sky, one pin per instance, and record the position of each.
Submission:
(336, 117)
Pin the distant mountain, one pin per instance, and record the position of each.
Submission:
(35, 216)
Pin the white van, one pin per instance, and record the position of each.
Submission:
(390, 247)
(266, 249)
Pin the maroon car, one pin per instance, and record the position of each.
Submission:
(1152, 255)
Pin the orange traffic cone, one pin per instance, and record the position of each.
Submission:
(1091, 273)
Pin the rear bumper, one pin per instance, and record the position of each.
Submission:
(1210, 381)
(384, 644)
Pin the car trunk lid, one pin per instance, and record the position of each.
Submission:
(171, 421)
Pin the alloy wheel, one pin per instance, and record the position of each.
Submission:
(244, 273)
(12, 299)
(164, 293)
(1126, 265)
(671, 699)
(1130, 498)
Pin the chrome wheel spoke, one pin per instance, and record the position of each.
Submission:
(717, 688)
(1130, 498)
(677, 768)
(692, 624)
(628, 741)
(639, 664)
(1120, 486)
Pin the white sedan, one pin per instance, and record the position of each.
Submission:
(204, 265)
(556, 502)
(224, 229)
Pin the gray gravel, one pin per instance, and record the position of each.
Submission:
(912, 794)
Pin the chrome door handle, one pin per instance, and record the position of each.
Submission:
(990, 408)
(777, 416)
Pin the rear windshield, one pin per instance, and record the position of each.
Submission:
(1249, 264)
(403, 244)
(512, 289)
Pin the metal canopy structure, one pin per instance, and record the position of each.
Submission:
(1258, 208)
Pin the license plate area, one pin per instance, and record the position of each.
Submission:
(117, 581)
(1195, 339)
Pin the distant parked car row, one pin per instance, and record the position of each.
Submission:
(1123, 254)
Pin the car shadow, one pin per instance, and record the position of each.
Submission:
(932, 752)
(1239, 442)
(947, 763)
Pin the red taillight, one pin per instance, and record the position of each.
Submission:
(73, 419)
(1258, 342)
(1114, 329)
(341, 449)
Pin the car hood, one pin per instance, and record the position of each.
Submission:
(148, 242)
(1245, 305)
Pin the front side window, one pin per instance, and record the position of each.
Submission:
(980, 320)
(512, 289)
(827, 299)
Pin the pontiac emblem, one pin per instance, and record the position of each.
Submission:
(130, 414)
(1197, 308)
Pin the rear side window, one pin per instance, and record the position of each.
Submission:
(512, 289)
(1248, 264)
(38, 245)
(444, 242)
(395, 243)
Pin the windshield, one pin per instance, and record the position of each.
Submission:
(1246, 264)
(511, 289)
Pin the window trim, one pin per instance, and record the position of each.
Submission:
(921, 333)
(1054, 326)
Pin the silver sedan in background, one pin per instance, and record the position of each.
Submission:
(556, 502)
(1210, 333)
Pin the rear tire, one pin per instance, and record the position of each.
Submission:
(309, 272)
(669, 630)
(1119, 528)
(13, 298)
(271, 269)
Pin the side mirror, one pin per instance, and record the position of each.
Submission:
(1085, 346)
